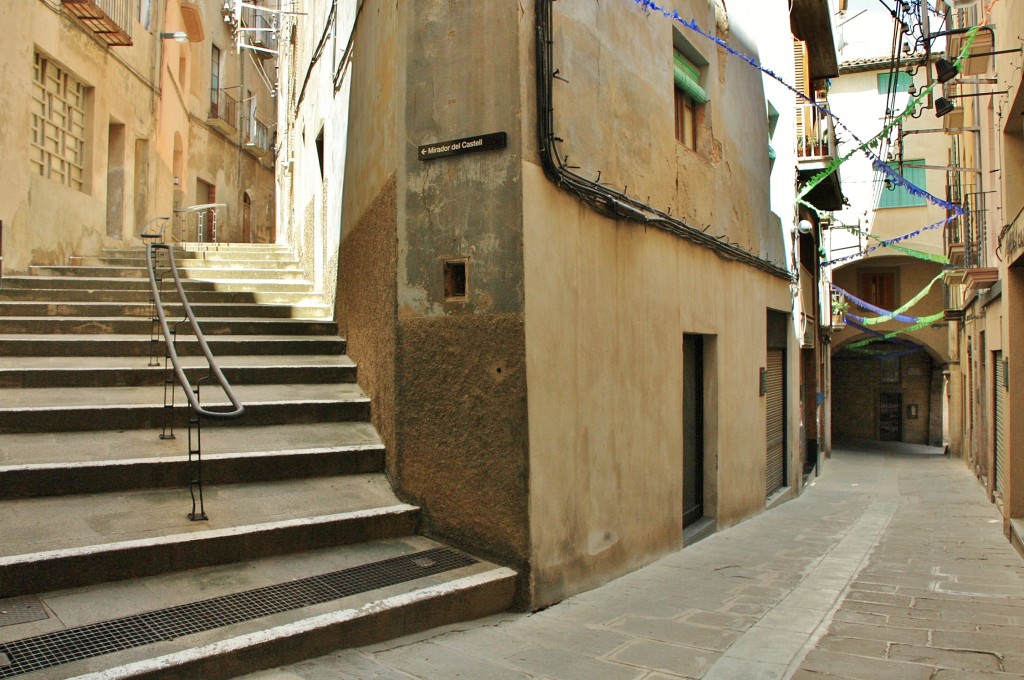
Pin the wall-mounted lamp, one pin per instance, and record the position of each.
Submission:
(177, 36)
(804, 227)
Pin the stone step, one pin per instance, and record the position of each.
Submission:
(304, 305)
(263, 248)
(186, 261)
(382, 589)
(186, 272)
(58, 463)
(134, 408)
(61, 542)
(142, 283)
(142, 308)
(126, 325)
(78, 371)
(110, 345)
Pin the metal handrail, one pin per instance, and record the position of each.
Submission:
(154, 242)
(172, 353)
(183, 213)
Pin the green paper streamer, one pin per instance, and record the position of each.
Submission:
(873, 142)
(909, 304)
(923, 323)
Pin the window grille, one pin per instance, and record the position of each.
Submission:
(58, 124)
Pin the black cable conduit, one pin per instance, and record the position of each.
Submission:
(610, 202)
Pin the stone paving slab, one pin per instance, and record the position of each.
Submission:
(891, 565)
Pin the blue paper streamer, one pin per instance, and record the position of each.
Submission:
(895, 177)
(872, 308)
(883, 244)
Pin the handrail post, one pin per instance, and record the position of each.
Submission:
(195, 461)
(173, 365)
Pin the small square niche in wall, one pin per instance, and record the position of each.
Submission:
(455, 280)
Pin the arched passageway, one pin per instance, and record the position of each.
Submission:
(887, 391)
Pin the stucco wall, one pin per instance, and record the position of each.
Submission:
(608, 303)
(461, 446)
(366, 308)
(606, 309)
(45, 222)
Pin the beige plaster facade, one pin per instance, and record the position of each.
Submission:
(985, 287)
(137, 137)
(537, 415)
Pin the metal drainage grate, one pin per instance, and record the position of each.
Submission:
(14, 610)
(74, 644)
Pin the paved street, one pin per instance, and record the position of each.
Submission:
(893, 565)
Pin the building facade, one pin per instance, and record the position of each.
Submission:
(566, 266)
(984, 284)
(888, 388)
(109, 121)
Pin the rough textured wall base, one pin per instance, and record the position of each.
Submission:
(462, 431)
(366, 306)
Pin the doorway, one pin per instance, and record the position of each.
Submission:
(693, 429)
(890, 417)
(115, 180)
(246, 218)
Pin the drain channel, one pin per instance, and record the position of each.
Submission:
(74, 644)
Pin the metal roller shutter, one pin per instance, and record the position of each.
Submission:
(999, 393)
(775, 404)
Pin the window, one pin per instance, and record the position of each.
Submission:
(214, 82)
(903, 81)
(899, 196)
(879, 289)
(58, 124)
(145, 13)
(689, 96)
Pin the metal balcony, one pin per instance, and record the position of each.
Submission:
(110, 20)
(816, 148)
(258, 136)
(223, 112)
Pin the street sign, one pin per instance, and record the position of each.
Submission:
(458, 147)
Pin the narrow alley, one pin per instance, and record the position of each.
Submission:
(892, 565)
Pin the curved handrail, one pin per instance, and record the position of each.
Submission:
(164, 221)
(237, 408)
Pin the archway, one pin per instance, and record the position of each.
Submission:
(890, 390)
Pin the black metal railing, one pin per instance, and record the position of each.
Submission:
(223, 108)
(160, 264)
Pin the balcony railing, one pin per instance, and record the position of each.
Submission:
(259, 32)
(815, 134)
(223, 111)
(816, 148)
(110, 20)
(258, 136)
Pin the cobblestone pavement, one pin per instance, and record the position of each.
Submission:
(892, 565)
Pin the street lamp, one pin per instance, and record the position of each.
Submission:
(943, 107)
(177, 36)
(945, 70)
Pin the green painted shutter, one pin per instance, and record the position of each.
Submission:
(899, 197)
(688, 79)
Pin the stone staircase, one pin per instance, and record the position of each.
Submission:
(307, 548)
